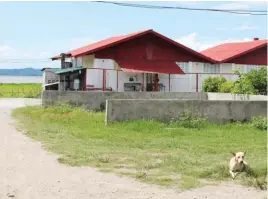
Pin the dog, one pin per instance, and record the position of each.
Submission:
(237, 163)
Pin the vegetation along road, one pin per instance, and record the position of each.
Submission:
(135, 157)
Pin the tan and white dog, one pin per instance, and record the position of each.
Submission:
(237, 163)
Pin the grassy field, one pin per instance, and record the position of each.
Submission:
(27, 90)
(149, 151)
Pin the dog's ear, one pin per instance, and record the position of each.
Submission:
(233, 153)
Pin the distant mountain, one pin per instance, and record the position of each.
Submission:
(21, 72)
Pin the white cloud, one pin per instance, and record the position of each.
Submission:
(12, 57)
(242, 27)
(245, 27)
(6, 50)
(191, 40)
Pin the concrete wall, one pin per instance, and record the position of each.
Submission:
(165, 110)
(97, 100)
(230, 96)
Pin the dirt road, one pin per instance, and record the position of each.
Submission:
(29, 172)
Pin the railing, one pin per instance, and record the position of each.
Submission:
(115, 79)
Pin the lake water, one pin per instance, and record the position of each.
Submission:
(20, 79)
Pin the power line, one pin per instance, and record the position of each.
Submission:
(247, 12)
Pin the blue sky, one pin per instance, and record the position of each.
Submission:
(34, 31)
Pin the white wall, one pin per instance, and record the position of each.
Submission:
(178, 83)
(49, 75)
(226, 68)
(124, 78)
(104, 63)
(111, 81)
(79, 61)
(164, 79)
(94, 77)
(197, 67)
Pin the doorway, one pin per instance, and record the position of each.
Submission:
(152, 82)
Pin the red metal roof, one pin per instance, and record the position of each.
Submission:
(152, 66)
(92, 48)
(226, 52)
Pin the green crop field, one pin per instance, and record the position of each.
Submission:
(23, 90)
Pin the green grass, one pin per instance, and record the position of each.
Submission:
(25, 90)
(147, 150)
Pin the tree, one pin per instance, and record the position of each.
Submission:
(253, 82)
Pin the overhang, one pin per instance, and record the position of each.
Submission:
(149, 66)
(67, 70)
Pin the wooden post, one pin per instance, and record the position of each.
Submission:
(85, 80)
(196, 84)
(117, 73)
(156, 82)
(169, 82)
(64, 83)
(142, 81)
(104, 79)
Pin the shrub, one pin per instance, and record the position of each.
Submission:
(213, 84)
(189, 120)
(253, 82)
(259, 122)
(227, 87)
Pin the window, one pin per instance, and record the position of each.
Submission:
(252, 67)
(184, 66)
(207, 68)
(210, 68)
(217, 68)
